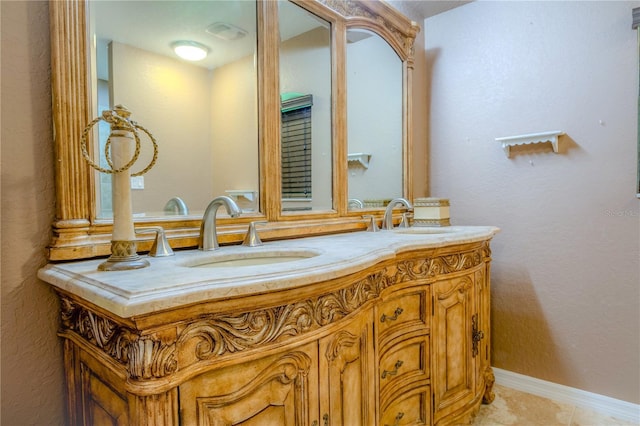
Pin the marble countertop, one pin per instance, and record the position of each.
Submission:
(188, 277)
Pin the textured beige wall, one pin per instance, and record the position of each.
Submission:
(565, 274)
(234, 127)
(172, 99)
(566, 269)
(32, 381)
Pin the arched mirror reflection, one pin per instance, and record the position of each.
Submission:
(374, 120)
(203, 112)
(305, 91)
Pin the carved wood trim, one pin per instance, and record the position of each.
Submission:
(69, 91)
(394, 27)
(148, 356)
(143, 357)
(345, 346)
(112, 338)
(161, 409)
(462, 287)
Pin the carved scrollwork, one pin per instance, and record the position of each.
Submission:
(454, 262)
(415, 269)
(356, 9)
(410, 270)
(463, 286)
(219, 334)
(103, 333)
(489, 380)
(341, 343)
(347, 8)
(333, 306)
(151, 358)
(214, 335)
(143, 357)
(486, 250)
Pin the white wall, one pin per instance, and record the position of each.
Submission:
(566, 300)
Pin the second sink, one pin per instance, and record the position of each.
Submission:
(252, 258)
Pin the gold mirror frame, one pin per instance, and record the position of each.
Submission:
(77, 234)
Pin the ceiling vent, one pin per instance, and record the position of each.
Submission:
(226, 31)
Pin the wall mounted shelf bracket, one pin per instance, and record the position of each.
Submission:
(359, 158)
(509, 141)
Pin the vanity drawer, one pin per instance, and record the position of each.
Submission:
(410, 408)
(402, 366)
(404, 311)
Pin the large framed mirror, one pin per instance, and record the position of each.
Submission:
(264, 75)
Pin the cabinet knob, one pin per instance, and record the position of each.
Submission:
(396, 313)
(387, 373)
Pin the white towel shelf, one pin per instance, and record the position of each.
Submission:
(360, 158)
(509, 141)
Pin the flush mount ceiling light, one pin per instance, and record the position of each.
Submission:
(190, 50)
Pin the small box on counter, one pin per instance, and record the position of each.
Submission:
(431, 212)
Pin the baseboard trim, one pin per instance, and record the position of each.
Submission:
(602, 404)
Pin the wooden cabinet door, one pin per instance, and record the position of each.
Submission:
(453, 367)
(95, 392)
(482, 336)
(277, 390)
(347, 384)
(102, 404)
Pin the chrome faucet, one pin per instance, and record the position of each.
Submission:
(355, 203)
(208, 239)
(387, 220)
(176, 205)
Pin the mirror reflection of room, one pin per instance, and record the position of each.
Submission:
(203, 113)
(374, 120)
(305, 91)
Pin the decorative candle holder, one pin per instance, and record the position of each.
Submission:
(121, 151)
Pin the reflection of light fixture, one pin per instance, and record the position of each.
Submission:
(190, 50)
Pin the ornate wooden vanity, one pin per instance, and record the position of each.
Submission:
(384, 328)
(397, 333)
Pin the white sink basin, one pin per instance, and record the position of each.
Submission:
(423, 230)
(233, 260)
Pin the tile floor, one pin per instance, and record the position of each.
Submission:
(512, 407)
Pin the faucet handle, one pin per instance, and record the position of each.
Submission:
(252, 239)
(404, 222)
(160, 247)
(373, 225)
